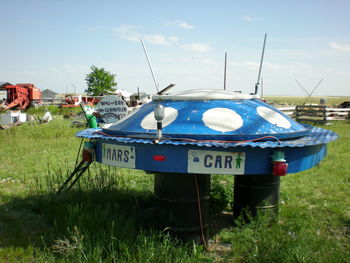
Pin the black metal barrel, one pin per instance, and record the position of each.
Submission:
(256, 195)
(176, 208)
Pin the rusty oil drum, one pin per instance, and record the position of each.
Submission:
(256, 195)
(176, 207)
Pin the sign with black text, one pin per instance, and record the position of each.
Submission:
(112, 109)
(118, 155)
(216, 162)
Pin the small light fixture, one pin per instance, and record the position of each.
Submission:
(279, 164)
(159, 112)
(279, 168)
(159, 116)
(88, 152)
(159, 158)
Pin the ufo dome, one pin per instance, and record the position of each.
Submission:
(209, 115)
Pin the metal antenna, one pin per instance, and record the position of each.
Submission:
(317, 85)
(74, 88)
(225, 71)
(302, 87)
(261, 62)
(163, 91)
(150, 66)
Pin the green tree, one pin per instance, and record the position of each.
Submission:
(100, 82)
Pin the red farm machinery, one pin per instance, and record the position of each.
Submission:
(21, 96)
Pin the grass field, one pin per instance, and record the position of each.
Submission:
(107, 217)
(330, 100)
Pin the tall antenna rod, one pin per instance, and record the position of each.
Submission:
(301, 86)
(150, 66)
(261, 61)
(318, 84)
(225, 71)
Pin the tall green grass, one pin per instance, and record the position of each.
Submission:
(55, 110)
(108, 215)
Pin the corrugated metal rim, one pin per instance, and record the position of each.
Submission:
(316, 136)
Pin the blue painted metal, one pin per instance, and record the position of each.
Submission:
(300, 154)
(316, 136)
(189, 121)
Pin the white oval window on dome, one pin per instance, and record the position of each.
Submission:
(273, 117)
(222, 119)
(150, 123)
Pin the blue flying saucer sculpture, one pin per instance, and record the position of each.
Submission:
(203, 132)
(200, 122)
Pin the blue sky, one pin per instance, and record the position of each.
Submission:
(53, 44)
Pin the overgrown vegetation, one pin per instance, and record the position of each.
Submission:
(107, 217)
(55, 110)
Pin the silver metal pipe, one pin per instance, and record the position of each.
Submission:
(225, 71)
(261, 62)
(149, 64)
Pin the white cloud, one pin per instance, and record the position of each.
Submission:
(292, 68)
(181, 24)
(341, 47)
(173, 39)
(196, 47)
(161, 40)
(251, 65)
(128, 32)
(208, 61)
(251, 18)
(185, 25)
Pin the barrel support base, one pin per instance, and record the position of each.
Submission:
(256, 196)
(176, 207)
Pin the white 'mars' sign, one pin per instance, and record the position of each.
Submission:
(112, 109)
(118, 155)
(216, 162)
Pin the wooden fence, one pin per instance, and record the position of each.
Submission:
(316, 113)
(290, 111)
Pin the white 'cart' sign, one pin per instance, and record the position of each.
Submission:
(112, 108)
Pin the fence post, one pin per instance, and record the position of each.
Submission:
(297, 113)
(324, 115)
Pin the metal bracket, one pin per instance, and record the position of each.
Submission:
(78, 172)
